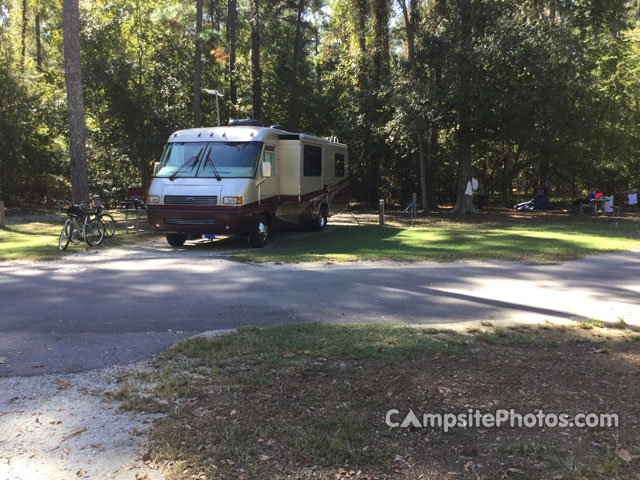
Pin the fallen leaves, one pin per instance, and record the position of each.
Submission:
(63, 384)
(624, 455)
(76, 432)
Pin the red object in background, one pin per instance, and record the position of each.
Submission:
(597, 195)
(137, 193)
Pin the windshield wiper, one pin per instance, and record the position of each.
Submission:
(192, 162)
(213, 167)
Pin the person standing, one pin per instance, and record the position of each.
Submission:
(480, 196)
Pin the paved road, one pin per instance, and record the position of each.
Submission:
(96, 309)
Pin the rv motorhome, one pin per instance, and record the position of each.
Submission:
(245, 179)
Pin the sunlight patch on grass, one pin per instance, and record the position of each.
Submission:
(38, 240)
(448, 242)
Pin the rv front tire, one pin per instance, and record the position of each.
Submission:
(176, 239)
(260, 232)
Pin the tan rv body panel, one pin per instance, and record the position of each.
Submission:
(288, 196)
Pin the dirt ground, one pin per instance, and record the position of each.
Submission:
(326, 418)
(396, 216)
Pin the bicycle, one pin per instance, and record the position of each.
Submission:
(81, 226)
(108, 221)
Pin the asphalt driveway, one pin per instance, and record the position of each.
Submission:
(108, 307)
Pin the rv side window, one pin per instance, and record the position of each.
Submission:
(339, 165)
(270, 157)
(312, 161)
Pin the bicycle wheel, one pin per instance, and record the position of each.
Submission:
(109, 225)
(65, 235)
(94, 232)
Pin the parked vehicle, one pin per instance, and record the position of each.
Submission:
(246, 179)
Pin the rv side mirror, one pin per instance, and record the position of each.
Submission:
(155, 168)
(266, 169)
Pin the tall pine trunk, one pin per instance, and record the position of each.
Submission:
(380, 76)
(464, 203)
(292, 120)
(431, 162)
(38, 44)
(23, 50)
(197, 80)
(409, 15)
(361, 8)
(256, 70)
(75, 101)
(232, 33)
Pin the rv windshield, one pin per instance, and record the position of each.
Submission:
(229, 159)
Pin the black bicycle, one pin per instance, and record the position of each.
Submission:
(82, 224)
(109, 222)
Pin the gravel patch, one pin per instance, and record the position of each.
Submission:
(62, 426)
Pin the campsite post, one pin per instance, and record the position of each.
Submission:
(1, 213)
(414, 206)
(381, 211)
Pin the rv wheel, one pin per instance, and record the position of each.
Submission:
(260, 232)
(176, 239)
(321, 221)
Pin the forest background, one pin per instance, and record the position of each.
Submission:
(426, 93)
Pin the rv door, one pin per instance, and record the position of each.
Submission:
(268, 177)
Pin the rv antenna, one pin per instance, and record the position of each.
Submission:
(217, 94)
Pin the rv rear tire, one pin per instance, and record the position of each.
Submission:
(259, 232)
(319, 223)
(176, 239)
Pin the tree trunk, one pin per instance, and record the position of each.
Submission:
(75, 101)
(422, 161)
(23, 51)
(409, 23)
(434, 134)
(464, 203)
(316, 35)
(380, 76)
(361, 8)
(197, 86)
(432, 158)
(38, 44)
(381, 58)
(292, 121)
(256, 70)
(232, 23)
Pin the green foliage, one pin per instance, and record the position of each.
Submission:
(554, 92)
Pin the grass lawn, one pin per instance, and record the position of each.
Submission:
(550, 240)
(36, 238)
(309, 401)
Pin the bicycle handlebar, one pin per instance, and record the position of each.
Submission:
(82, 208)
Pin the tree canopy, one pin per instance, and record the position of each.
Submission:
(424, 92)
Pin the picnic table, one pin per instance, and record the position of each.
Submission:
(136, 209)
(597, 206)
